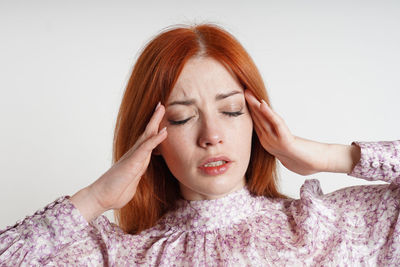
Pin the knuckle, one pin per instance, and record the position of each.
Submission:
(148, 145)
(147, 129)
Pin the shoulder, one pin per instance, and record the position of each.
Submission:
(334, 210)
(352, 197)
(111, 233)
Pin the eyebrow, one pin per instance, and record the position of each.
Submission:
(189, 102)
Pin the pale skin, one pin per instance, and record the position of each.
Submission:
(299, 155)
(117, 186)
(202, 97)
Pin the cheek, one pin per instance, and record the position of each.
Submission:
(244, 133)
(245, 125)
(249, 122)
(176, 147)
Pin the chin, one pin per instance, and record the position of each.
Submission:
(213, 190)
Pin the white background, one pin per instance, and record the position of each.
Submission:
(331, 69)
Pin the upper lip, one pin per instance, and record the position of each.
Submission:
(213, 159)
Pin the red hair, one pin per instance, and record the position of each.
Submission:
(153, 77)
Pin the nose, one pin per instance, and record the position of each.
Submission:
(210, 134)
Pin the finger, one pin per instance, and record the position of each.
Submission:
(262, 137)
(254, 104)
(258, 131)
(138, 162)
(263, 124)
(261, 110)
(260, 120)
(152, 126)
(251, 99)
(146, 148)
(155, 119)
(277, 122)
(135, 161)
(272, 117)
(267, 119)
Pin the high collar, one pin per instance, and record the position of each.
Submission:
(211, 214)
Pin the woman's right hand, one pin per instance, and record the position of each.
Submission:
(117, 186)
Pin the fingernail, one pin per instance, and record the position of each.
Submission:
(162, 130)
(159, 103)
(263, 102)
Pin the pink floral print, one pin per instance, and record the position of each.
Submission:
(353, 226)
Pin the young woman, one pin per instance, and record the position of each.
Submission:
(194, 178)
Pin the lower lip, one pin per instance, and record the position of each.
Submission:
(216, 170)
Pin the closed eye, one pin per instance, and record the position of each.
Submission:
(229, 114)
(179, 122)
(233, 114)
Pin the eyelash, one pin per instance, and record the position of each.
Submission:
(229, 114)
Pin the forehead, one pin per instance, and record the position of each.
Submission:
(204, 76)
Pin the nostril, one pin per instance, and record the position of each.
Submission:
(210, 141)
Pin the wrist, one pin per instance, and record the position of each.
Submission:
(87, 204)
(342, 158)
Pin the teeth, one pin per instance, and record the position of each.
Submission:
(214, 164)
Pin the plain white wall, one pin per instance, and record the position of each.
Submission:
(331, 69)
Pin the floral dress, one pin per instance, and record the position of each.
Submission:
(353, 226)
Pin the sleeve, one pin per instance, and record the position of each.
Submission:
(380, 161)
(57, 234)
(358, 224)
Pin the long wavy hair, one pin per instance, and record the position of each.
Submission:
(153, 77)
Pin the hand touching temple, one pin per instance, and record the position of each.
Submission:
(299, 155)
(194, 179)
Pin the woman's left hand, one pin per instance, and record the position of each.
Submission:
(297, 154)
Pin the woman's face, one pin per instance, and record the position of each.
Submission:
(207, 120)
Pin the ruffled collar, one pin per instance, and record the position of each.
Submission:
(192, 215)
